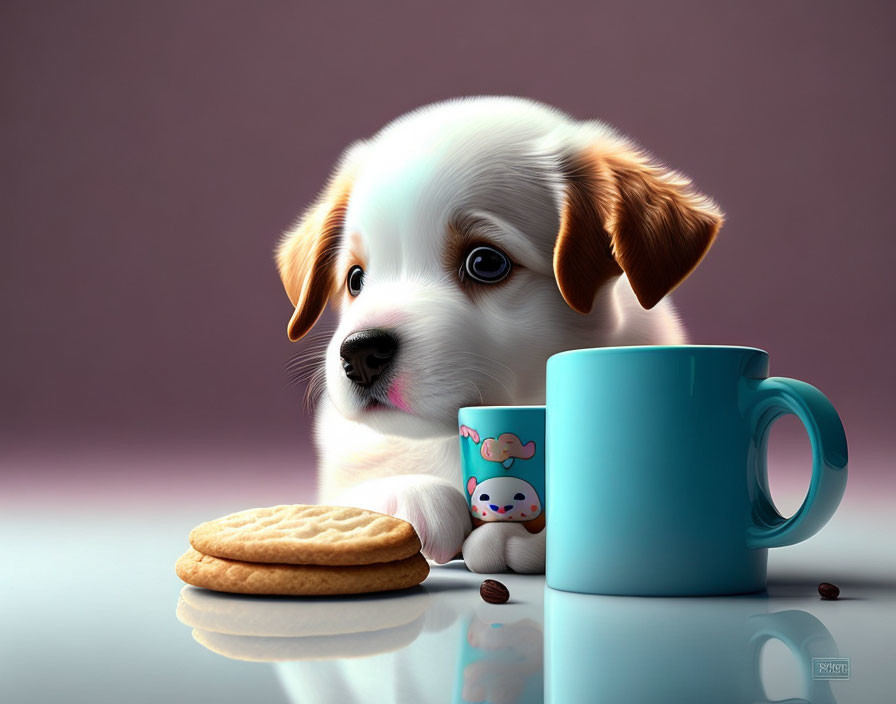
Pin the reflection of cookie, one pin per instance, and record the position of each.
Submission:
(348, 645)
(244, 615)
(307, 535)
(225, 575)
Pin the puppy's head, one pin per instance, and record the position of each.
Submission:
(468, 241)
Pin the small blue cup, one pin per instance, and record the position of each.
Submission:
(502, 457)
(656, 469)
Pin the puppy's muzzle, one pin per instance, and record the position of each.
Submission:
(367, 354)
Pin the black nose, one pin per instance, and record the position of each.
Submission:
(366, 355)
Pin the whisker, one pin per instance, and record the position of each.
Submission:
(314, 390)
(303, 377)
(491, 376)
(477, 390)
(306, 353)
(313, 344)
(307, 365)
(488, 359)
(303, 361)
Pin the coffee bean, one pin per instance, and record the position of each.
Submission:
(493, 592)
(828, 590)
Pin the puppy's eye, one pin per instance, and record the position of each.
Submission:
(483, 497)
(355, 280)
(487, 265)
(518, 497)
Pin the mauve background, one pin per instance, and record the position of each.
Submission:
(152, 153)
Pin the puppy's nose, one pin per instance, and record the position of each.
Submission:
(366, 355)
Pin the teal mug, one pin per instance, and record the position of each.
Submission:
(656, 469)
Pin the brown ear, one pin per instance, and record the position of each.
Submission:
(627, 213)
(307, 253)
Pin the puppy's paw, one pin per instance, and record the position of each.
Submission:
(437, 510)
(498, 547)
(440, 515)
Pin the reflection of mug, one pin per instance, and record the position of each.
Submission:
(670, 651)
(656, 469)
(502, 456)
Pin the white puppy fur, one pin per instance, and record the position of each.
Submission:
(597, 234)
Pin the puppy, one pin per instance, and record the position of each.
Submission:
(462, 245)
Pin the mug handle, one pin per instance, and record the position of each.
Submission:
(807, 638)
(765, 401)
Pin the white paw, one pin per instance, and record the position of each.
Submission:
(498, 547)
(437, 510)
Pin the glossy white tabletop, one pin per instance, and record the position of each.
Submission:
(93, 612)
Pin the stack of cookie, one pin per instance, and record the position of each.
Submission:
(303, 550)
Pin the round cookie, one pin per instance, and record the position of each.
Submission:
(307, 535)
(223, 575)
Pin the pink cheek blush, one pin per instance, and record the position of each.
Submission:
(475, 509)
(396, 396)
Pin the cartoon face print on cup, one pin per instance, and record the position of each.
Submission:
(506, 448)
(503, 499)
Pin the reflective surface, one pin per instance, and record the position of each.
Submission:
(687, 650)
(93, 612)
